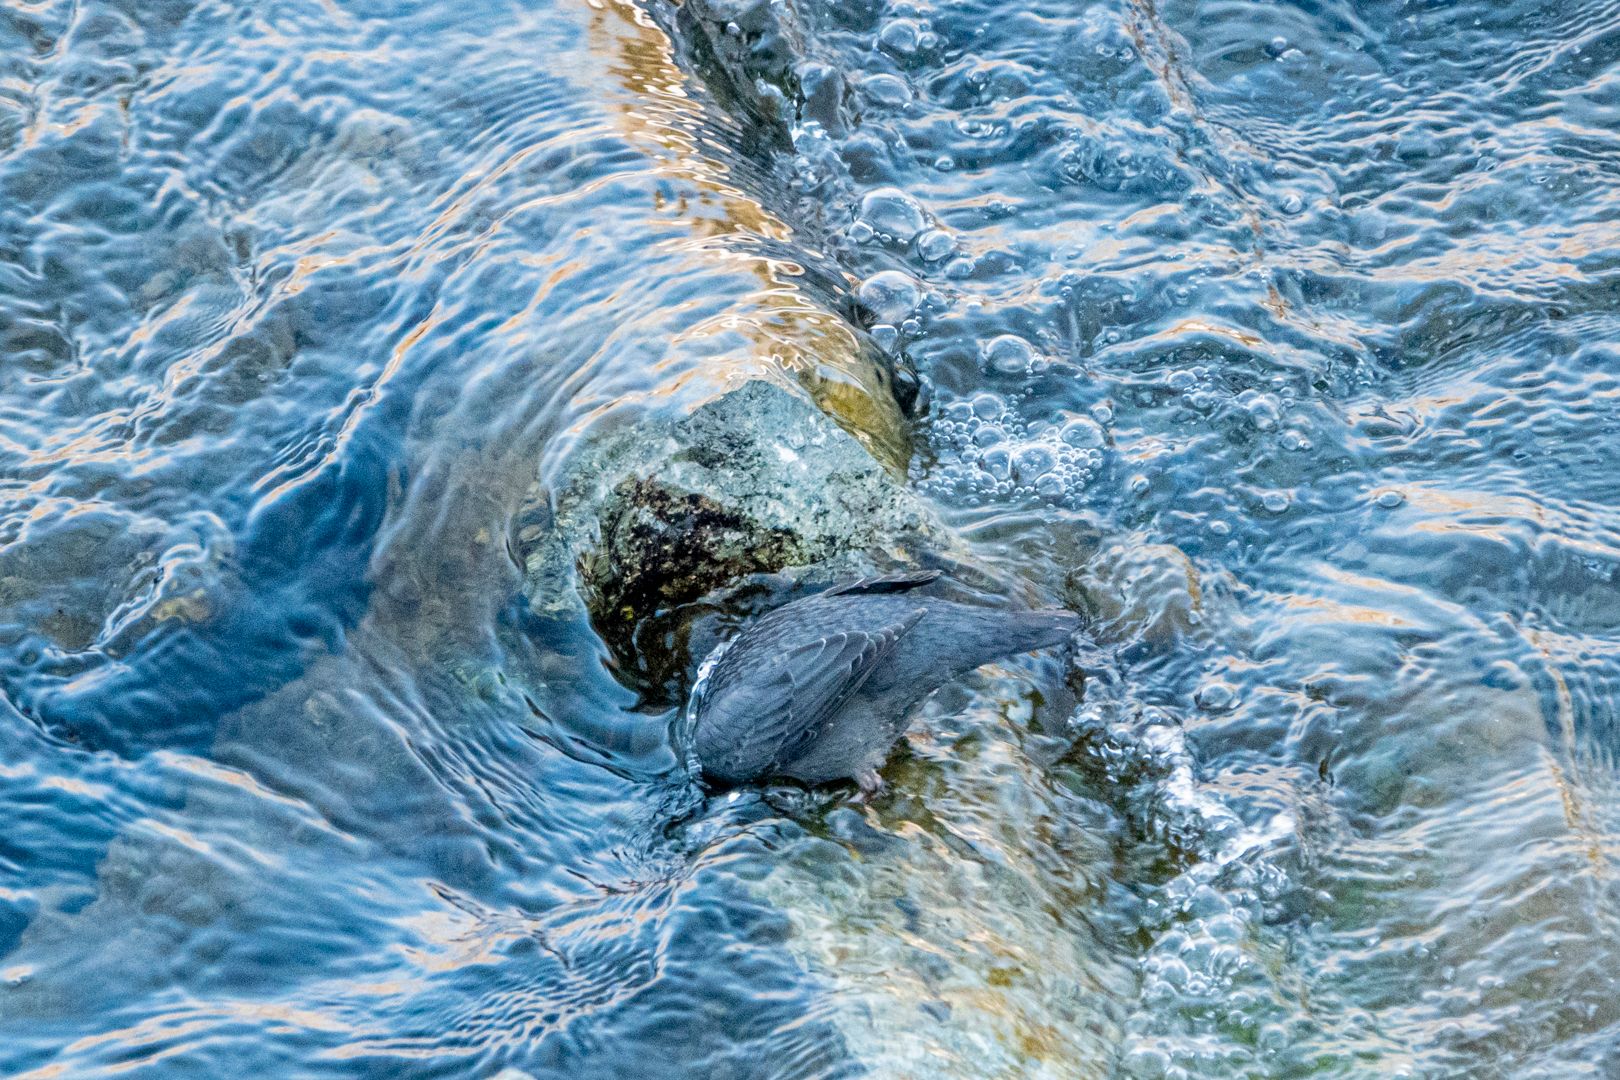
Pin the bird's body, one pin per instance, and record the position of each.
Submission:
(820, 689)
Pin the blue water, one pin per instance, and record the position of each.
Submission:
(1281, 338)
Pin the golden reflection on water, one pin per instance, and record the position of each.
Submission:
(1326, 610)
(1565, 765)
(778, 326)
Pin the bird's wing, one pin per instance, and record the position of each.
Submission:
(885, 583)
(778, 713)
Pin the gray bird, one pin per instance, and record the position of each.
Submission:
(820, 689)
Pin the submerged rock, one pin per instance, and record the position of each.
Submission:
(747, 52)
(756, 480)
(957, 918)
(948, 921)
(1141, 591)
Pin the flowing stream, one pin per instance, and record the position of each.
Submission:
(1280, 338)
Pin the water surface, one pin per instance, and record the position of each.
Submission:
(1280, 337)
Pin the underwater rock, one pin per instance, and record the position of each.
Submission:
(948, 922)
(753, 481)
(954, 916)
(747, 52)
(1141, 591)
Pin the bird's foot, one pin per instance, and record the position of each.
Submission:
(871, 786)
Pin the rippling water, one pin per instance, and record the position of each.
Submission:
(1284, 338)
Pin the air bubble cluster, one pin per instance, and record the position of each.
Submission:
(986, 451)
(1205, 955)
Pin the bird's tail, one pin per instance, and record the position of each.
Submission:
(1039, 629)
(966, 636)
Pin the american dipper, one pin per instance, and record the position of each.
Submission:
(820, 689)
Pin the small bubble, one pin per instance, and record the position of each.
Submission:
(1083, 433)
(1263, 409)
(886, 89)
(1138, 485)
(1008, 354)
(1216, 697)
(895, 214)
(997, 462)
(1389, 499)
(935, 244)
(900, 37)
(889, 296)
(1275, 501)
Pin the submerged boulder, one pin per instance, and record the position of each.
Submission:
(667, 510)
(947, 921)
(746, 52)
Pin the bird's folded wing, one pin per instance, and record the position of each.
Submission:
(787, 705)
(885, 583)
